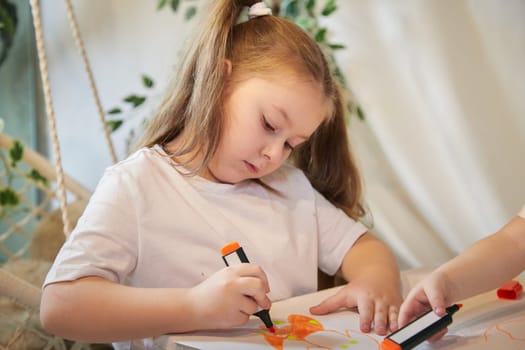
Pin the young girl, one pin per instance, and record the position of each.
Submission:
(144, 259)
(484, 266)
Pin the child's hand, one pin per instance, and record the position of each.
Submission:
(229, 297)
(430, 293)
(377, 305)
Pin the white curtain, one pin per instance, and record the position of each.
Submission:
(442, 83)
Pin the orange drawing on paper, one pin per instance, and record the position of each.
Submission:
(299, 327)
(511, 329)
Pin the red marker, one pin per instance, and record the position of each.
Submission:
(232, 254)
(419, 330)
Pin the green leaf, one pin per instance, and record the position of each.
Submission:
(114, 124)
(306, 23)
(360, 113)
(291, 9)
(320, 36)
(190, 12)
(135, 100)
(16, 152)
(37, 177)
(162, 4)
(8, 197)
(310, 5)
(175, 5)
(147, 81)
(115, 110)
(329, 8)
(337, 46)
(340, 76)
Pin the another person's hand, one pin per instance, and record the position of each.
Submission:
(431, 293)
(230, 296)
(377, 306)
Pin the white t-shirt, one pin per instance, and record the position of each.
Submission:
(147, 225)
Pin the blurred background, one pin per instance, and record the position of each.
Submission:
(441, 84)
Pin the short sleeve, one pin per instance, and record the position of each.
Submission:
(104, 241)
(522, 212)
(337, 234)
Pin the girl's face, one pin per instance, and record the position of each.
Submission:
(264, 121)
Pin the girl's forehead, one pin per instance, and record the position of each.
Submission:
(297, 101)
(292, 92)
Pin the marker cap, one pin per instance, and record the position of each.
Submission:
(510, 290)
(230, 248)
(388, 344)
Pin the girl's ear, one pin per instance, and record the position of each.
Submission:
(228, 67)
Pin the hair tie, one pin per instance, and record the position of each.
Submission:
(259, 9)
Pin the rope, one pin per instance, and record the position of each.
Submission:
(80, 45)
(35, 9)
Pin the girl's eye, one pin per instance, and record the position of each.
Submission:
(287, 145)
(267, 125)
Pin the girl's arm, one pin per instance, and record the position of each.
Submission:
(483, 266)
(373, 286)
(93, 309)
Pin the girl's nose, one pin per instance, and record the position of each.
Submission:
(273, 151)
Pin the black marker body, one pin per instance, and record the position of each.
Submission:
(263, 314)
(422, 330)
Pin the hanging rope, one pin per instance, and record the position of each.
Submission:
(42, 59)
(35, 9)
(80, 45)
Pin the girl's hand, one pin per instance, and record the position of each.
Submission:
(377, 305)
(229, 297)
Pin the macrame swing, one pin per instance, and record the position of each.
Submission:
(18, 295)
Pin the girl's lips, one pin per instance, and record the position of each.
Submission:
(252, 168)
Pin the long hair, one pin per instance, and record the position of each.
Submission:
(259, 47)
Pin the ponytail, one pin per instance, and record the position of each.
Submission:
(193, 103)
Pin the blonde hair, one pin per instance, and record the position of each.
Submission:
(257, 47)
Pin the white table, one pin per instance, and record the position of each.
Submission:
(484, 322)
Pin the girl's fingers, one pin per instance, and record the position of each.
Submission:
(382, 315)
(380, 318)
(393, 313)
(385, 318)
(248, 306)
(366, 314)
(333, 303)
(254, 288)
(252, 270)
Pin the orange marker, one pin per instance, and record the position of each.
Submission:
(232, 253)
(419, 330)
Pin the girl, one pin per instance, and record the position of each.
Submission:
(144, 259)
